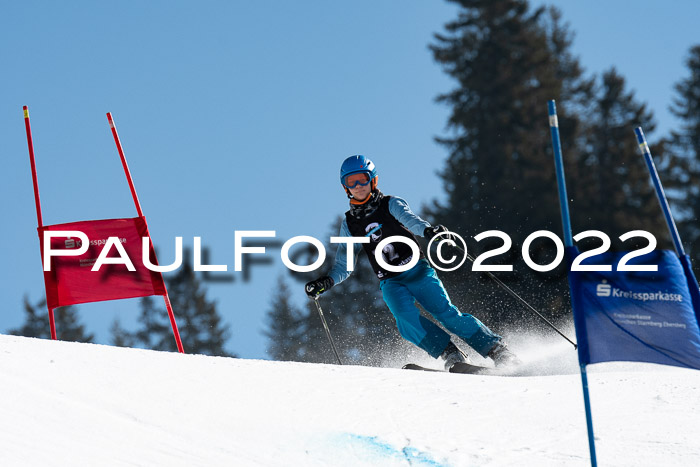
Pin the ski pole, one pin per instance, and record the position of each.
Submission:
(517, 297)
(328, 332)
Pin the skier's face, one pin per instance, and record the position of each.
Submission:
(360, 193)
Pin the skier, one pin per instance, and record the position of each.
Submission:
(375, 215)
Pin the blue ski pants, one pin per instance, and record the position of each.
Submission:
(421, 284)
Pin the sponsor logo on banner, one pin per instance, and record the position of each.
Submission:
(606, 290)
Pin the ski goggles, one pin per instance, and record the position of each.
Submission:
(352, 180)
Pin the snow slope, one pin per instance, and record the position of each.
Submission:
(81, 404)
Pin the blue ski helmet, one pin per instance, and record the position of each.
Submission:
(357, 164)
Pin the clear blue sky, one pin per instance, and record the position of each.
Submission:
(235, 115)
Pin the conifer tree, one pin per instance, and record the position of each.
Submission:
(685, 146)
(120, 337)
(155, 331)
(200, 326)
(613, 192)
(508, 62)
(284, 326)
(36, 321)
(68, 326)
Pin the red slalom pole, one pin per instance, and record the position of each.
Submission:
(124, 164)
(37, 201)
(30, 143)
(173, 324)
(127, 172)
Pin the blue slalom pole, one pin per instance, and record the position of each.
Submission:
(644, 148)
(559, 167)
(589, 415)
(568, 241)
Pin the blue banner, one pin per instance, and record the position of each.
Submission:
(637, 316)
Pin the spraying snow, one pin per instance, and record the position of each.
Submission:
(543, 354)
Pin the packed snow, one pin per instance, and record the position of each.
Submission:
(74, 404)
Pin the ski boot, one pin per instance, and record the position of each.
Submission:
(502, 356)
(452, 355)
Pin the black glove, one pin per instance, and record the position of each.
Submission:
(432, 231)
(315, 288)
